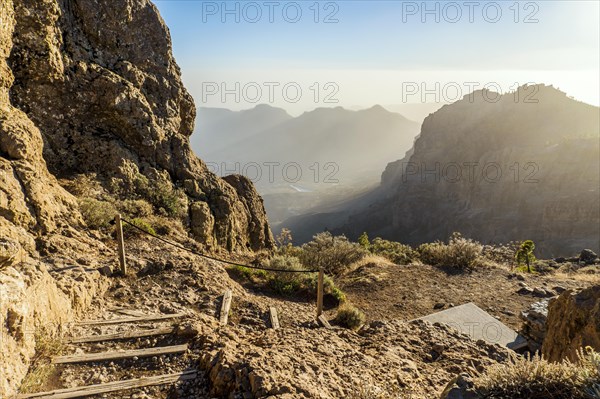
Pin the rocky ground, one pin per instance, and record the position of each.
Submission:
(389, 356)
(386, 291)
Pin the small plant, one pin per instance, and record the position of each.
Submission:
(363, 240)
(395, 252)
(130, 231)
(97, 214)
(332, 253)
(164, 196)
(136, 208)
(286, 283)
(460, 253)
(350, 316)
(525, 254)
(284, 241)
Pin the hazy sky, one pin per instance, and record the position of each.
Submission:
(305, 54)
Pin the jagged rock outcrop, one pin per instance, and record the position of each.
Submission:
(573, 323)
(534, 324)
(90, 87)
(99, 80)
(497, 169)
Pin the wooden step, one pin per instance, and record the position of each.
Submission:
(107, 387)
(137, 319)
(121, 335)
(116, 355)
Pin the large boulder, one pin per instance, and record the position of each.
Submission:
(573, 322)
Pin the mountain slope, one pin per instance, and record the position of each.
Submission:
(495, 171)
(350, 146)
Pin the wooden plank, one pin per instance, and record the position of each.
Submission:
(323, 321)
(116, 355)
(116, 386)
(129, 312)
(274, 318)
(136, 319)
(225, 307)
(121, 335)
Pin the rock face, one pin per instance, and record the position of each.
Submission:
(573, 323)
(534, 324)
(99, 81)
(91, 87)
(497, 171)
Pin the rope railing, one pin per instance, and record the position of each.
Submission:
(176, 245)
(122, 260)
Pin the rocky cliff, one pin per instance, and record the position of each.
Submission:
(497, 168)
(91, 88)
(99, 81)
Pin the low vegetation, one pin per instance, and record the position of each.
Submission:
(332, 253)
(42, 373)
(525, 256)
(460, 253)
(350, 316)
(536, 378)
(396, 252)
(97, 214)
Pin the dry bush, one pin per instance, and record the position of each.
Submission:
(293, 283)
(502, 254)
(536, 378)
(396, 252)
(136, 208)
(460, 253)
(97, 214)
(350, 316)
(333, 254)
(42, 372)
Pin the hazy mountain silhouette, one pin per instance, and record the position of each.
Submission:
(339, 152)
(548, 156)
(350, 146)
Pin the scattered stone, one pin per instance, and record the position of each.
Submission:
(588, 257)
(106, 271)
(439, 305)
(534, 324)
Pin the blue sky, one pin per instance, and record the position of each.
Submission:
(370, 49)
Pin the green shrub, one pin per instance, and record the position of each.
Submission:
(130, 231)
(333, 254)
(297, 283)
(536, 378)
(363, 240)
(524, 254)
(460, 253)
(349, 316)
(286, 283)
(395, 252)
(136, 208)
(97, 214)
(284, 241)
(503, 254)
(164, 196)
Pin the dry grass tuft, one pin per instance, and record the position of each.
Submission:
(536, 378)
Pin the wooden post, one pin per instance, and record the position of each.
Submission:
(274, 318)
(225, 307)
(320, 293)
(121, 244)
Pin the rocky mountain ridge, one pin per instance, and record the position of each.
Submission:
(479, 165)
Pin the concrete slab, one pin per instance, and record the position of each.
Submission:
(478, 324)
